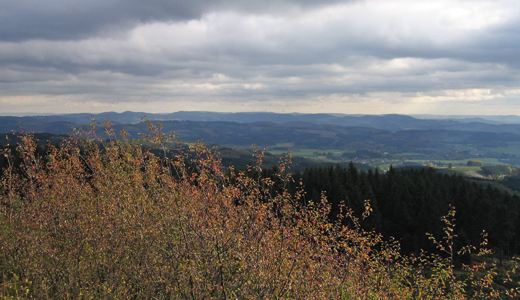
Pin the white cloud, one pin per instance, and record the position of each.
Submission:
(471, 15)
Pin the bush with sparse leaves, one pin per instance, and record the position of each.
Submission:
(105, 219)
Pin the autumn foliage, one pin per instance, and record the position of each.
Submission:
(108, 219)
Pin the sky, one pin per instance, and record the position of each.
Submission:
(328, 56)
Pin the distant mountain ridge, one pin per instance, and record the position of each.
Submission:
(61, 124)
(439, 138)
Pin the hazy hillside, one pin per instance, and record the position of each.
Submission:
(392, 122)
(399, 136)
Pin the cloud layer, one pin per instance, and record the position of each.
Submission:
(457, 57)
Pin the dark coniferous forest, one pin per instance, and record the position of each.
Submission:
(408, 203)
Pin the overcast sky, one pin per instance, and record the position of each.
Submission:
(351, 56)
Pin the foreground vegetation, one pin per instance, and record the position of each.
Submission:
(109, 220)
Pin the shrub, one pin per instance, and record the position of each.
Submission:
(109, 220)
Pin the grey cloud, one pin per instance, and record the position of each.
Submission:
(64, 20)
(243, 51)
(498, 45)
(231, 47)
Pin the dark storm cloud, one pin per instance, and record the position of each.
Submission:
(64, 19)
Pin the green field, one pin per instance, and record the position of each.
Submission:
(466, 169)
(309, 153)
(506, 150)
(486, 161)
(510, 149)
(459, 165)
(410, 154)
